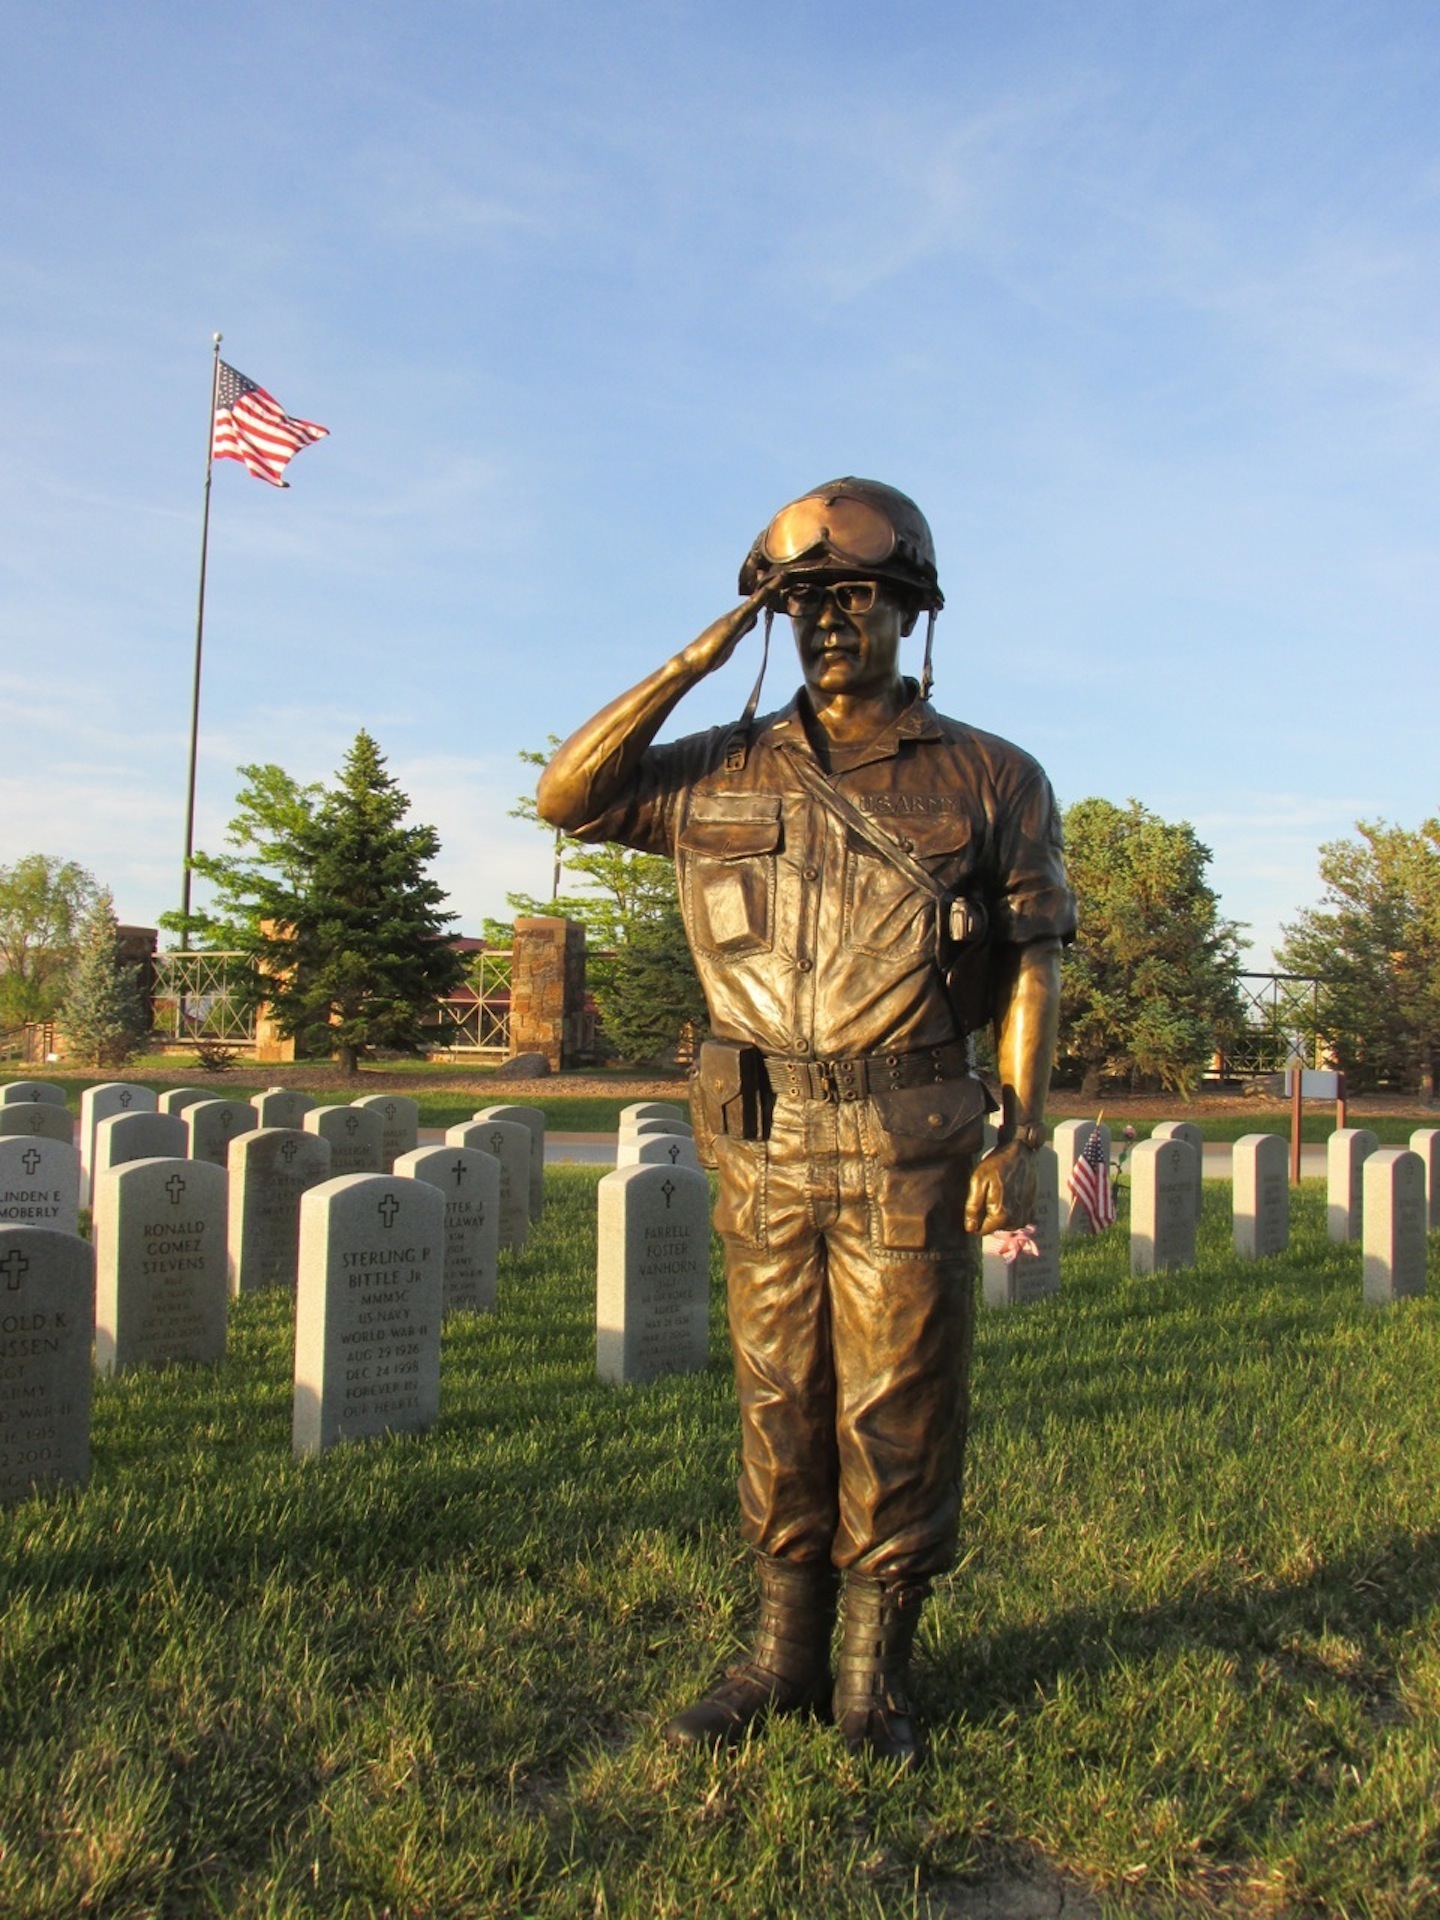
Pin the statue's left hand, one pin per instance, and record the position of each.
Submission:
(1002, 1190)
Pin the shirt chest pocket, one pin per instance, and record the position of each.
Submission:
(727, 853)
(886, 913)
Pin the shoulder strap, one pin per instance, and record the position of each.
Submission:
(884, 844)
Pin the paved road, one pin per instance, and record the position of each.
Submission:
(598, 1150)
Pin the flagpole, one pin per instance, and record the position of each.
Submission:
(199, 643)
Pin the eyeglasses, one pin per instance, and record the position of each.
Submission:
(850, 529)
(850, 596)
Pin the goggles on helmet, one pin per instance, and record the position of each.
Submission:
(850, 529)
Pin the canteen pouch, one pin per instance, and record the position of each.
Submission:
(729, 1096)
(967, 964)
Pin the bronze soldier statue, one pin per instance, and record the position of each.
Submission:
(864, 884)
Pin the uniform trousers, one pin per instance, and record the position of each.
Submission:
(851, 1290)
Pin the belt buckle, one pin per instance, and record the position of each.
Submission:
(824, 1081)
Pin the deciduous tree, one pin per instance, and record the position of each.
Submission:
(43, 905)
(1151, 980)
(1375, 947)
(271, 810)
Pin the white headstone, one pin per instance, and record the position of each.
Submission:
(356, 1136)
(270, 1168)
(177, 1099)
(44, 1091)
(650, 1110)
(40, 1184)
(1260, 1175)
(509, 1143)
(367, 1313)
(1187, 1131)
(281, 1106)
(652, 1293)
(160, 1294)
(47, 1317)
(137, 1136)
(399, 1123)
(470, 1182)
(99, 1103)
(534, 1119)
(1395, 1233)
(1031, 1277)
(211, 1126)
(1162, 1206)
(1345, 1155)
(652, 1123)
(39, 1117)
(1426, 1142)
(656, 1150)
(1070, 1139)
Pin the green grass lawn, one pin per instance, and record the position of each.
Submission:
(1190, 1660)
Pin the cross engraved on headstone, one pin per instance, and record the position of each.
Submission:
(30, 1161)
(387, 1209)
(459, 1172)
(497, 1140)
(674, 1155)
(125, 1099)
(288, 1151)
(36, 1121)
(389, 1109)
(14, 1266)
(352, 1121)
(175, 1186)
(669, 1192)
(227, 1120)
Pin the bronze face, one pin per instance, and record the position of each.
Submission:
(845, 648)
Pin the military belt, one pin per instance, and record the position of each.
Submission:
(858, 1077)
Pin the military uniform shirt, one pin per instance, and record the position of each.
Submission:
(807, 941)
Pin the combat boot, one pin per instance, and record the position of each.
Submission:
(871, 1707)
(788, 1668)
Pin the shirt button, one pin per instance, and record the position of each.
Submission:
(812, 873)
(804, 965)
(802, 1045)
(936, 1119)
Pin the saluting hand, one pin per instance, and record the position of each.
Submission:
(713, 647)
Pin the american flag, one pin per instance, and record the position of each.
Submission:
(1090, 1181)
(252, 426)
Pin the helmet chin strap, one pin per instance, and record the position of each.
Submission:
(753, 703)
(927, 676)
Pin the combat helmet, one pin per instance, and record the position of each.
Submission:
(843, 524)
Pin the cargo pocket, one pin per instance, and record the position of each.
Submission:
(740, 1209)
(727, 849)
(923, 1144)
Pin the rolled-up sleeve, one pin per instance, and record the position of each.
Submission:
(1032, 899)
(646, 814)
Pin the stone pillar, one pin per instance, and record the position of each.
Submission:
(547, 989)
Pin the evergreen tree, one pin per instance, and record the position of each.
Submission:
(651, 993)
(104, 1017)
(1150, 984)
(1375, 947)
(349, 931)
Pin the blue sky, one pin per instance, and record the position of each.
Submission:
(1141, 303)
